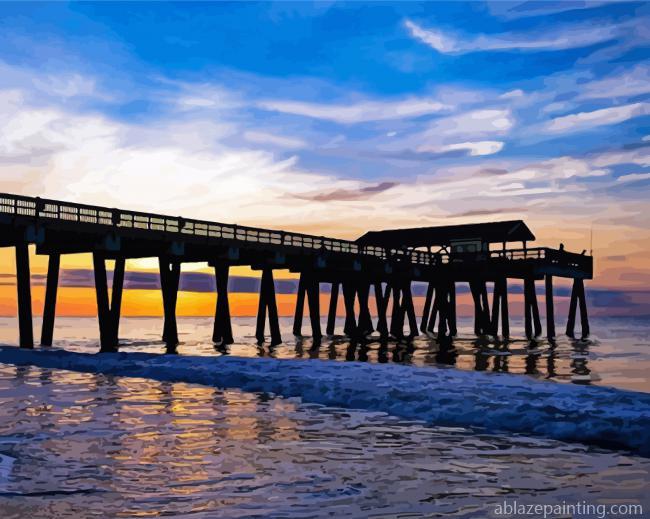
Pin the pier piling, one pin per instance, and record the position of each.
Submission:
(300, 306)
(481, 307)
(222, 329)
(313, 300)
(427, 307)
(365, 320)
(108, 308)
(381, 301)
(578, 297)
(533, 325)
(349, 295)
(550, 311)
(169, 279)
(49, 308)
(268, 304)
(331, 315)
(409, 308)
(23, 285)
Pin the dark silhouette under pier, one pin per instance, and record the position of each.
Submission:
(386, 261)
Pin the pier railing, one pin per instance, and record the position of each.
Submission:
(45, 209)
(53, 210)
(553, 256)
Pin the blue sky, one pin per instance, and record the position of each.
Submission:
(336, 118)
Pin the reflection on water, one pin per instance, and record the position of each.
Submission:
(618, 354)
(83, 445)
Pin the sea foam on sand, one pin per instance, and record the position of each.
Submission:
(602, 416)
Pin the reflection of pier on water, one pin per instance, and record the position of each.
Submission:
(542, 359)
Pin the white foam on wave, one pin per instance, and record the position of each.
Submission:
(602, 416)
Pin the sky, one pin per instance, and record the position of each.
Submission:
(339, 118)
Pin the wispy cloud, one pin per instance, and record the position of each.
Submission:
(361, 193)
(562, 39)
(357, 112)
(628, 83)
(605, 116)
(280, 141)
(524, 9)
(633, 177)
(473, 148)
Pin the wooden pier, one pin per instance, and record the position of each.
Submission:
(387, 261)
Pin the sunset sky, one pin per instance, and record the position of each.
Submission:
(335, 119)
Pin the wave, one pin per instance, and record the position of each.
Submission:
(602, 416)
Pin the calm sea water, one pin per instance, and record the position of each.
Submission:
(85, 445)
(617, 354)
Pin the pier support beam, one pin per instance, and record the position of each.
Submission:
(268, 304)
(402, 308)
(381, 301)
(481, 307)
(453, 330)
(222, 329)
(169, 277)
(300, 306)
(23, 285)
(409, 309)
(578, 296)
(309, 285)
(435, 310)
(533, 325)
(349, 295)
(442, 310)
(365, 320)
(313, 300)
(108, 309)
(397, 311)
(550, 311)
(49, 309)
(427, 307)
(500, 305)
(116, 296)
(331, 315)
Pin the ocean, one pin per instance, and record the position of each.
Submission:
(98, 445)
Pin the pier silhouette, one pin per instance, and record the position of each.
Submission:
(385, 261)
